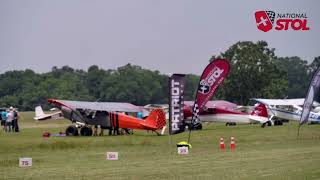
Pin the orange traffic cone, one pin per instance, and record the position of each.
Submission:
(221, 144)
(232, 144)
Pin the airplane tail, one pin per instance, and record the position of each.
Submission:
(156, 118)
(260, 110)
(38, 111)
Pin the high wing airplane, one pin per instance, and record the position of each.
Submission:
(149, 107)
(40, 115)
(281, 110)
(108, 115)
(224, 111)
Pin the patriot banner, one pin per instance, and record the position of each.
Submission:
(211, 78)
(312, 93)
(176, 92)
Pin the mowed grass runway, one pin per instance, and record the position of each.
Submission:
(269, 153)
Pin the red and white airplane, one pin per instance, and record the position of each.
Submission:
(227, 112)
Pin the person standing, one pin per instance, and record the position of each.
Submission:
(4, 118)
(15, 125)
(9, 120)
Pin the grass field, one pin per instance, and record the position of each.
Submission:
(269, 153)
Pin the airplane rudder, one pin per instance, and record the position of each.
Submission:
(158, 117)
(260, 110)
(39, 111)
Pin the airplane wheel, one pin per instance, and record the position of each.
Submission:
(86, 131)
(278, 123)
(72, 131)
(269, 123)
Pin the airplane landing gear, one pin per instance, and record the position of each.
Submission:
(278, 123)
(266, 123)
(72, 131)
(86, 131)
(231, 124)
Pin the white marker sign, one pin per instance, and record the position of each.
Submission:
(25, 162)
(183, 150)
(112, 156)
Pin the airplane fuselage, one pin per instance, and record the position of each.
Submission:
(293, 115)
(231, 118)
(226, 116)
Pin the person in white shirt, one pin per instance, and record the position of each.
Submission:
(9, 120)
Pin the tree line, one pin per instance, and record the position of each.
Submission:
(255, 72)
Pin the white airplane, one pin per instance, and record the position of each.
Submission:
(40, 115)
(224, 111)
(288, 109)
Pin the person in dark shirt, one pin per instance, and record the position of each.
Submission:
(15, 125)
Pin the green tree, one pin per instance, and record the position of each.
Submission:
(253, 73)
(191, 86)
(296, 73)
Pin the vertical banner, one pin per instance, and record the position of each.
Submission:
(176, 92)
(211, 78)
(312, 93)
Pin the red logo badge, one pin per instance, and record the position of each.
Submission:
(264, 20)
(283, 21)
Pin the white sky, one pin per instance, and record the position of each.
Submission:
(172, 36)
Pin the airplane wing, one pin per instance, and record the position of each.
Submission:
(286, 102)
(97, 106)
(215, 104)
(258, 119)
(283, 102)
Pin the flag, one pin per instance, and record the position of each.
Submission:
(312, 93)
(211, 78)
(176, 92)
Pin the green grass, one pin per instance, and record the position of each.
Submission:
(269, 153)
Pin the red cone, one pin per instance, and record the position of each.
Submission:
(222, 144)
(232, 144)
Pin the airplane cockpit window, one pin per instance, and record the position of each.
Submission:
(101, 113)
(291, 108)
(87, 113)
(211, 110)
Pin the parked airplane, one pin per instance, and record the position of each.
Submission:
(149, 107)
(40, 115)
(281, 110)
(108, 115)
(224, 111)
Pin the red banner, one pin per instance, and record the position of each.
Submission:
(211, 78)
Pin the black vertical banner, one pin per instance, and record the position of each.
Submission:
(176, 92)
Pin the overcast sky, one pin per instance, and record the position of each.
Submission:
(166, 35)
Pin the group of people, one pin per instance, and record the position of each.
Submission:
(9, 120)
